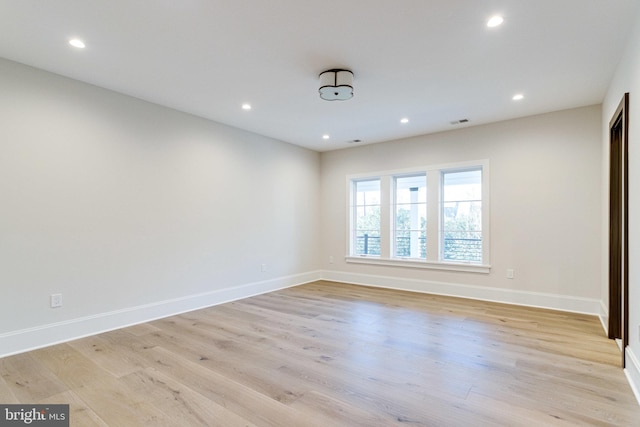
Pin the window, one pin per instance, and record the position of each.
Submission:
(366, 209)
(431, 217)
(461, 228)
(410, 216)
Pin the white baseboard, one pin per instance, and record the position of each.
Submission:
(632, 371)
(604, 317)
(20, 341)
(531, 299)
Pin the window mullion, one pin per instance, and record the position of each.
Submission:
(433, 215)
(486, 211)
(386, 218)
(351, 220)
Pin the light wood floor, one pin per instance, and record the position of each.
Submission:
(329, 354)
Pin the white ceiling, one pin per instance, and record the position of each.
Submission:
(431, 61)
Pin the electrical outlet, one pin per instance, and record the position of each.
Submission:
(510, 273)
(56, 300)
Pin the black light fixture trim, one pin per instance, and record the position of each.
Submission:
(336, 85)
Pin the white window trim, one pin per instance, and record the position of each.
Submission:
(414, 263)
(433, 219)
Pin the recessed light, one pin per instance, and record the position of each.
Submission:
(246, 106)
(325, 136)
(404, 120)
(518, 97)
(77, 43)
(495, 21)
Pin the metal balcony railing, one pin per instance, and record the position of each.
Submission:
(455, 249)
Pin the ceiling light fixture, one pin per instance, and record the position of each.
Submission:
(246, 107)
(336, 85)
(325, 136)
(518, 97)
(495, 21)
(77, 43)
(404, 120)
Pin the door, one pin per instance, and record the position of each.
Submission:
(618, 225)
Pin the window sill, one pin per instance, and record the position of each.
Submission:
(432, 265)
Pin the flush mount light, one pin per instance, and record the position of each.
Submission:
(495, 21)
(246, 107)
(77, 43)
(336, 85)
(325, 136)
(404, 120)
(518, 97)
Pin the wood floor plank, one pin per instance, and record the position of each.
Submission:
(28, 380)
(332, 354)
(330, 411)
(6, 393)
(240, 398)
(505, 413)
(107, 396)
(80, 414)
(181, 405)
(117, 352)
(258, 370)
(70, 367)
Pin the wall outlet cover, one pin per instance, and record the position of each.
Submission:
(56, 300)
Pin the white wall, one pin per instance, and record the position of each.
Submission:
(545, 209)
(627, 79)
(134, 211)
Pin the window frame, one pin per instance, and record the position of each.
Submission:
(434, 204)
(394, 213)
(353, 210)
(441, 207)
